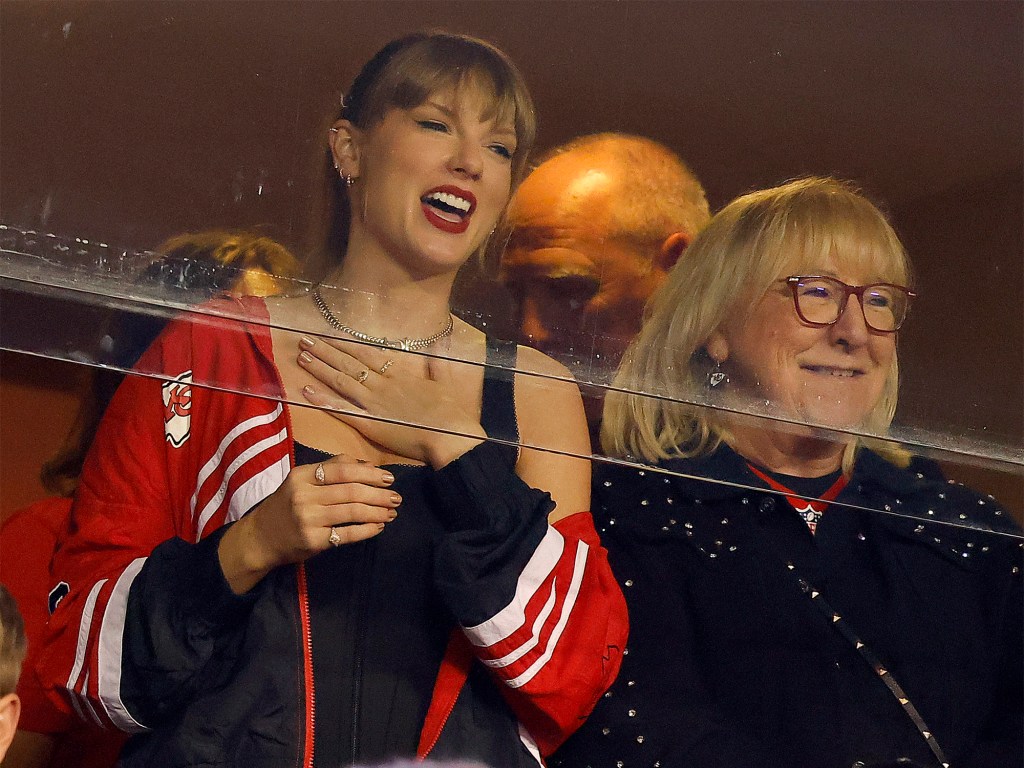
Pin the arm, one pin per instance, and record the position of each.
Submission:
(158, 585)
(122, 544)
(527, 578)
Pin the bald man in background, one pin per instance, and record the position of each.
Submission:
(590, 235)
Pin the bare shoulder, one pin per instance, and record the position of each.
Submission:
(534, 367)
(553, 431)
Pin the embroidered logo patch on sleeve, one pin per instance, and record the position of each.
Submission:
(177, 397)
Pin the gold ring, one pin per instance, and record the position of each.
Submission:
(384, 368)
(363, 376)
(335, 538)
(319, 474)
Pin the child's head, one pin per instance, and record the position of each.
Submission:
(12, 653)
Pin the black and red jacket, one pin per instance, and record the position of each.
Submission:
(150, 639)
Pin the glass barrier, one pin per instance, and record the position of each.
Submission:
(130, 296)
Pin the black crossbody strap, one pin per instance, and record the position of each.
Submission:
(844, 629)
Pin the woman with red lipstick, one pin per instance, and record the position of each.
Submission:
(798, 599)
(254, 584)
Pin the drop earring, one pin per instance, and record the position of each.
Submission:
(717, 377)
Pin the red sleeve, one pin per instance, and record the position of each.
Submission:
(121, 512)
(538, 603)
(568, 648)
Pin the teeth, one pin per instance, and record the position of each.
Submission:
(843, 373)
(452, 200)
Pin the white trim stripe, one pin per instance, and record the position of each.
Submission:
(513, 616)
(534, 639)
(530, 744)
(84, 628)
(218, 497)
(218, 456)
(257, 488)
(570, 601)
(111, 642)
(84, 700)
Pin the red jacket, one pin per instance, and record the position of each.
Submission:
(222, 448)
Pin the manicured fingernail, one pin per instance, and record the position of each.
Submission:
(396, 499)
(306, 343)
(308, 391)
(393, 515)
(305, 357)
(387, 478)
(380, 526)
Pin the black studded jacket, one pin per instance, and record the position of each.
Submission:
(730, 663)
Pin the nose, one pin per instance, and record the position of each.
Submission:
(467, 159)
(851, 329)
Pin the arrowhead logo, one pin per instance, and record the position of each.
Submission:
(177, 398)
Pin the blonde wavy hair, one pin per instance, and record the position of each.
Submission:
(751, 243)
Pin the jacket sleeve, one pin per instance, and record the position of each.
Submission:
(659, 711)
(138, 609)
(538, 603)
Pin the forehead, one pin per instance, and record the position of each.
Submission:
(855, 265)
(566, 191)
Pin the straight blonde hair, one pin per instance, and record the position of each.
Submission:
(754, 241)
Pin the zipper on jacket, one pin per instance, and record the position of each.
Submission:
(307, 667)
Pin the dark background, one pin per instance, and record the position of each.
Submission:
(131, 122)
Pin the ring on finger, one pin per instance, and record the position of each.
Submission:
(319, 474)
(335, 537)
(363, 376)
(384, 368)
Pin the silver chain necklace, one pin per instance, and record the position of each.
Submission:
(406, 345)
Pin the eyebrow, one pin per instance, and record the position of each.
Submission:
(502, 129)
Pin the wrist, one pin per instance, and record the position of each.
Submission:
(241, 557)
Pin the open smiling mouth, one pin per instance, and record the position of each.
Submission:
(448, 210)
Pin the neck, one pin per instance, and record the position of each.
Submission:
(785, 452)
(380, 298)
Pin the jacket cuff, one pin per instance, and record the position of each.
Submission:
(476, 484)
(204, 592)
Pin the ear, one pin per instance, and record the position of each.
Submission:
(717, 347)
(671, 250)
(344, 139)
(10, 711)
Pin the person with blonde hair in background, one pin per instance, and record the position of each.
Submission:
(12, 652)
(803, 593)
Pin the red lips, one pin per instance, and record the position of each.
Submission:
(449, 208)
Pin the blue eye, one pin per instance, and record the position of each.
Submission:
(878, 300)
(433, 125)
(815, 291)
(502, 151)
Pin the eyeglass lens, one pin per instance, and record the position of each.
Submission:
(821, 299)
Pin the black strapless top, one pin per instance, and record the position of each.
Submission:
(379, 630)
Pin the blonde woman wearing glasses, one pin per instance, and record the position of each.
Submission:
(831, 601)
